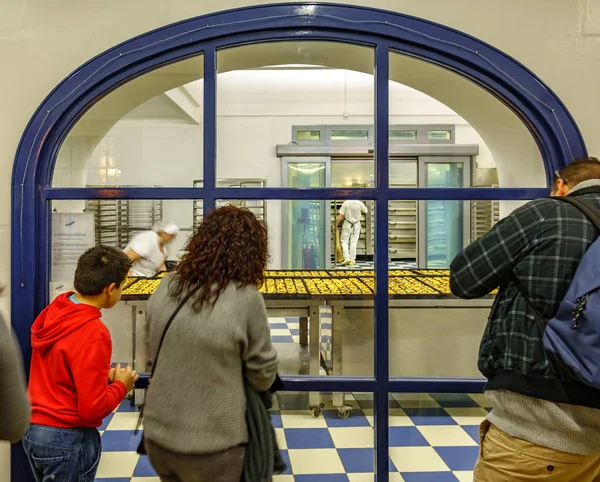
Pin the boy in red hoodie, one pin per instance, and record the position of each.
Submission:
(71, 385)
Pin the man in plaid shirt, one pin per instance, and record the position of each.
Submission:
(539, 426)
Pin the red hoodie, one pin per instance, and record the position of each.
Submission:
(68, 384)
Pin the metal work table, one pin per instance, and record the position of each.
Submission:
(430, 335)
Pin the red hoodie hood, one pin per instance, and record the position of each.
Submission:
(61, 318)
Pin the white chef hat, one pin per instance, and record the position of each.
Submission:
(169, 228)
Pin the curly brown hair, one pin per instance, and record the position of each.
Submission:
(231, 245)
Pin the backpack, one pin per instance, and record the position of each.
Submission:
(572, 338)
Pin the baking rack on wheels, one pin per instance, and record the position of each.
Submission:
(431, 332)
(116, 221)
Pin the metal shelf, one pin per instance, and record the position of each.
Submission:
(403, 227)
(484, 215)
(116, 221)
(256, 206)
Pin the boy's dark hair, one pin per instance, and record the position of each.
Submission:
(100, 267)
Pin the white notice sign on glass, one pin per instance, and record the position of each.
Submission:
(72, 235)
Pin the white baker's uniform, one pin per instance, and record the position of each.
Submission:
(352, 211)
(152, 258)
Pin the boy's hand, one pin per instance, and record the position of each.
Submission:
(111, 375)
(127, 376)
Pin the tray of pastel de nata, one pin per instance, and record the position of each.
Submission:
(129, 281)
(273, 288)
(140, 289)
(338, 288)
(442, 284)
(296, 273)
(407, 287)
(344, 273)
(284, 289)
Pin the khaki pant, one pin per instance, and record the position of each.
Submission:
(503, 458)
(226, 466)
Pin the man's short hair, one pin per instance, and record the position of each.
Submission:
(579, 170)
(100, 267)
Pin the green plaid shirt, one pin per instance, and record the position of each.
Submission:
(541, 245)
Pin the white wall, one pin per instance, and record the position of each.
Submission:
(256, 112)
(42, 42)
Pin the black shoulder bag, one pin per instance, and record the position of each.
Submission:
(141, 447)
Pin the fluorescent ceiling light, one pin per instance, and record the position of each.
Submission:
(306, 170)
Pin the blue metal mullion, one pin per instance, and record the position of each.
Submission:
(298, 383)
(381, 351)
(209, 122)
(437, 385)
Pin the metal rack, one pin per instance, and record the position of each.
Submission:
(137, 216)
(484, 214)
(116, 221)
(106, 221)
(403, 227)
(257, 206)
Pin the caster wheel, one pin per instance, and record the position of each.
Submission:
(344, 413)
(316, 411)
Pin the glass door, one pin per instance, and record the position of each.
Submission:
(306, 222)
(444, 228)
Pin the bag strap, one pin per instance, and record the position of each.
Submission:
(593, 215)
(167, 326)
(160, 344)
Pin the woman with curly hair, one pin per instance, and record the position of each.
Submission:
(194, 415)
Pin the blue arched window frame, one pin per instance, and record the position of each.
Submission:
(549, 122)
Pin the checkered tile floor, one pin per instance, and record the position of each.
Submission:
(285, 330)
(433, 438)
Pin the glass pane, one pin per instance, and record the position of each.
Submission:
(465, 115)
(352, 173)
(444, 220)
(136, 134)
(447, 422)
(422, 291)
(349, 134)
(439, 135)
(339, 441)
(266, 90)
(306, 218)
(403, 233)
(403, 135)
(309, 135)
(403, 173)
(80, 225)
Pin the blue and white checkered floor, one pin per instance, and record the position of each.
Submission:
(433, 438)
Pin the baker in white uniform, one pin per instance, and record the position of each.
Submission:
(350, 213)
(147, 250)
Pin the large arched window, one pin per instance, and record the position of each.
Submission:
(166, 126)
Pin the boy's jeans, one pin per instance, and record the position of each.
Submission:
(60, 454)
